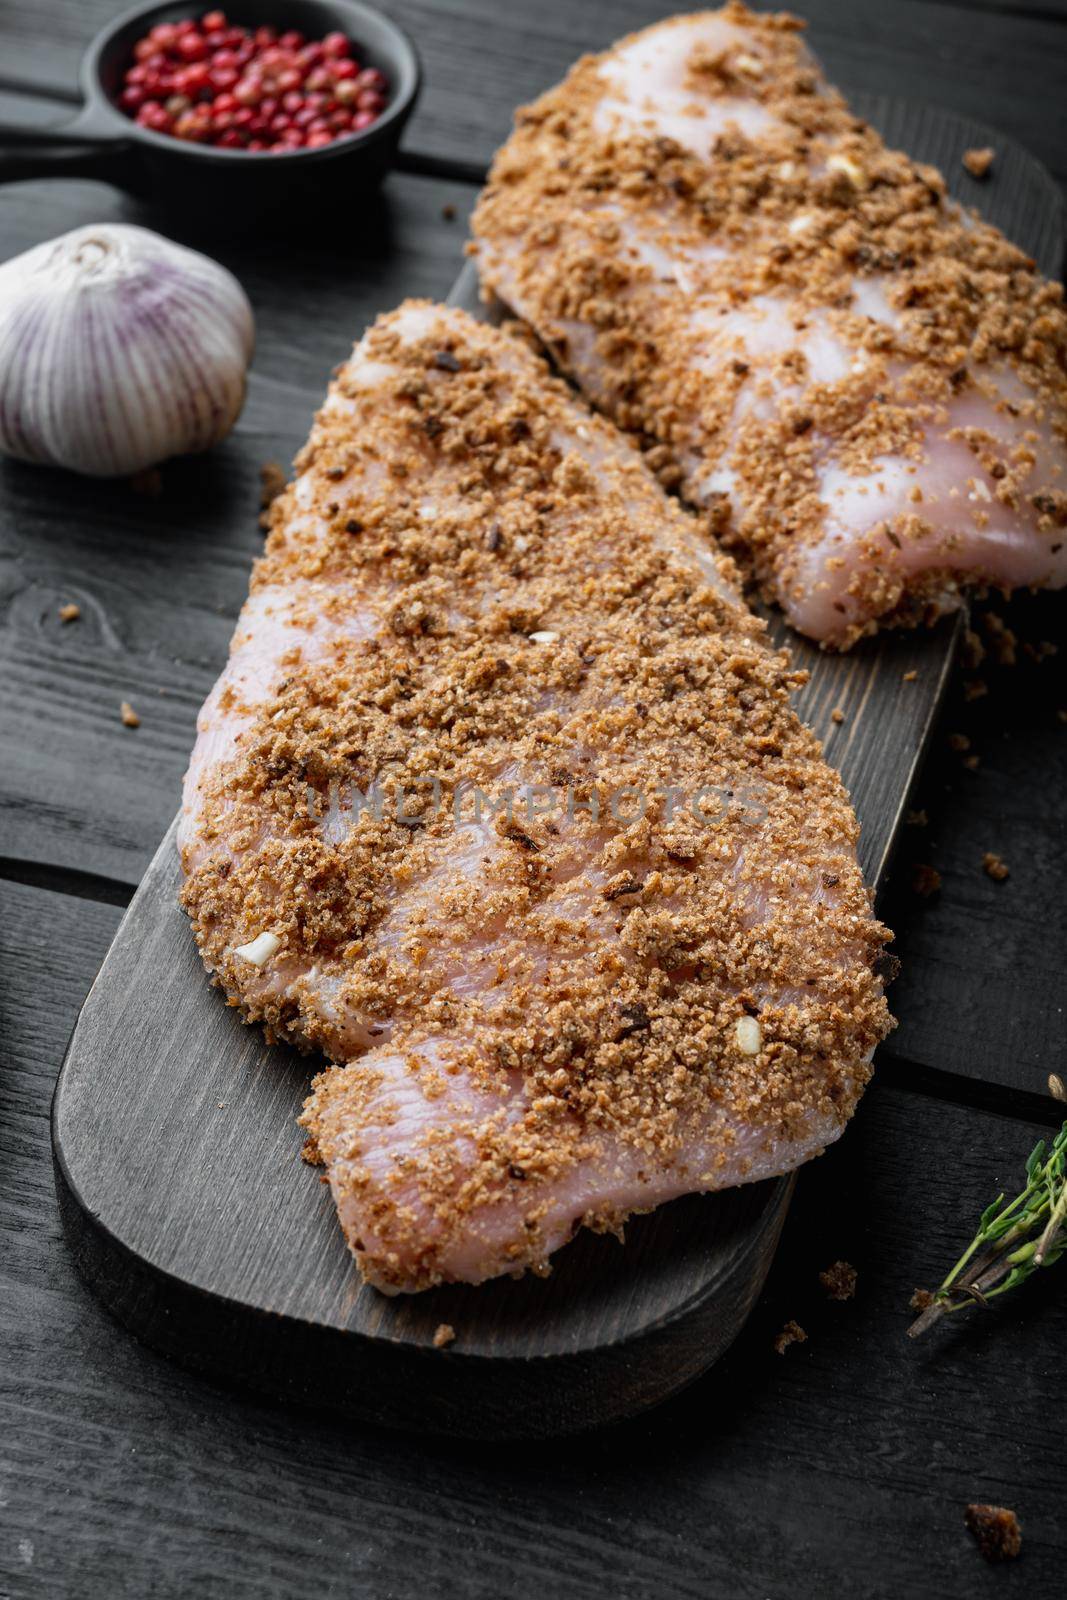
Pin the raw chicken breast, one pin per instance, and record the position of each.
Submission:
(500, 803)
(864, 385)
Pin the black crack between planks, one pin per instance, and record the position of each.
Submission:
(68, 881)
(975, 1094)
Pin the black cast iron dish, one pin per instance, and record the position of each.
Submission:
(201, 180)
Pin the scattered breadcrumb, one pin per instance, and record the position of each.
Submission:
(1061, 714)
(973, 652)
(996, 1531)
(1002, 640)
(149, 483)
(837, 715)
(1056, 1086)
(994, 867)
(974, 688)
(839, 1280)
(925, 879)
(69, 612)
(921, 1300)
(448, 211)
(444, 1335)
(792, 1333)
(958, 742)
(130, 719)
(272, 480)
(911, 677)
(1044, 650)
(916, 819)
(889, 968)
(972, 763)
(978, 162)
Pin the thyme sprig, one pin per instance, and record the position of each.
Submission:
(1014, 1237)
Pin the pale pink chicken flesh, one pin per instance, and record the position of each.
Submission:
(865, 385)
(554, 1017)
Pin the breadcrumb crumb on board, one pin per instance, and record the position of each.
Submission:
(839, 1280)
(979, 162)
(996, 1531)
(792, 1333)
(925, 880)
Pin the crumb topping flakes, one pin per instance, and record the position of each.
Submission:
(810, 340)
(545, 981)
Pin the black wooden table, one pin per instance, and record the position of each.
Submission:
(844, 1464)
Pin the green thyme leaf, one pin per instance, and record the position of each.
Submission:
(1013, 1240)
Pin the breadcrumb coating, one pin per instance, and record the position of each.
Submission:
(863, 386)
(474, 582)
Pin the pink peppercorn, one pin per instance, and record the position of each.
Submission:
(254, 89)
(192, 47)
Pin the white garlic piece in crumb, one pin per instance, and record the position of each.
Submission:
(118, 349)
(749, 1036)
(259, 949)
(851, 169)
(544, 636)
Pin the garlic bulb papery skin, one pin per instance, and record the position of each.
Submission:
(119, 349)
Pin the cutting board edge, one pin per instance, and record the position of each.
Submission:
(601, 1386)
(404, 1385)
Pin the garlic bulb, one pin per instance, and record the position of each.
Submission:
(118, 349)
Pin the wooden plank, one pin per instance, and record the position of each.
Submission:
(484, 59)
(194, 1219)
(79, 790)
(160, 582)
(983, 990)
(260, 1279)
(845, 1463)
(993, 1018)
(158, 612)
(491, 58)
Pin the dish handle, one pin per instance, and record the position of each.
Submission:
(86, 147)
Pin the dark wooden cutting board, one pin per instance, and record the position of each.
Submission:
(177, 1154)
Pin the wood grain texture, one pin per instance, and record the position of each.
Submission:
(983, 988)
(192, 1216)
(160, 581)
(843, 1465)
(998, 63)
(83, 799)
(209, 1248)
(975, 951)
(492, 58)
